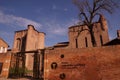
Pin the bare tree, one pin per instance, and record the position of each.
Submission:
(89, 9)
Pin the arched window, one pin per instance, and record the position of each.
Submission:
(18, 46)
(101, 40)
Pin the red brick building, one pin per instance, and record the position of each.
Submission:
(79, 60)
(3, 46)
(5, 58)
(73, 60)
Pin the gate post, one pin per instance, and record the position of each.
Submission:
(36, 65)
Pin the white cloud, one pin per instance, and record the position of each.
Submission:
(59, 31)
(55, 28)
(54, 7)
(65, 9)
(4, 33)
(12, 20)
(72, 22)
(7, 36)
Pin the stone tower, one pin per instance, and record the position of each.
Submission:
(28, 40)
(83, 39)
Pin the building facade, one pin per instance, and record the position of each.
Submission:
(79, 36)
(3, 46)
(28, 40)
(73, 60)
(79, 60)
(5, 58)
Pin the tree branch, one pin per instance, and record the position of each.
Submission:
(85, 16)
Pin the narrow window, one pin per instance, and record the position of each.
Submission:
(76, 43)
(1, 65)
(101, 40)
(86, 42)
(3, 50)
(0, 49)
(18, 43)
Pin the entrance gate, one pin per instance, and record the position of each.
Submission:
(18, 69)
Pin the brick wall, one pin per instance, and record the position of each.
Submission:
(5, 60)
(99, 63)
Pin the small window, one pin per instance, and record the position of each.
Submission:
(1, 65)
(0, 49)
(62, 56)
(86, 42)
(3, 50)
(62, 76)
(54, 65)
(76, 41)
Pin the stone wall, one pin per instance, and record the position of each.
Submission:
(20, 40)
(99, 63)
(34, 41)
(28, 40)
(79, 35)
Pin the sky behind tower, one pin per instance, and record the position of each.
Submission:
(50, 16)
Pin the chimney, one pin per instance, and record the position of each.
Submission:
(30, 26)
(103, 22)
(118, 33)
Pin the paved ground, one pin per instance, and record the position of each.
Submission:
(15, 79)
(20, 79)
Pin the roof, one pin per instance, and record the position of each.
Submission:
(58, 45)
(21, 30)
(4, 41)
(61, 44)
(115, 41)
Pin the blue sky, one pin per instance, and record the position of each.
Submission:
(50, 16)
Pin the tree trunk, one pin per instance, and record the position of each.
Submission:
(93, 38)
